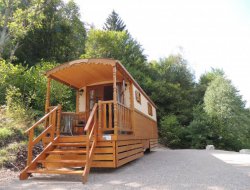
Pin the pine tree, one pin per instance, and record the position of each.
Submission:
(114, 22)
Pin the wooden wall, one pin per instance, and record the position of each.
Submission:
(144, 127)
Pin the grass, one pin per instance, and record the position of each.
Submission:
(5, 135)
(8, 153)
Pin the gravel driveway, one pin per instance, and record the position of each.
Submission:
(161, 169)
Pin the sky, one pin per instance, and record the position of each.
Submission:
(209, 33)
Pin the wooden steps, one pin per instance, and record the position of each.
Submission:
(63, 161)
(67, 151)
(58, 171)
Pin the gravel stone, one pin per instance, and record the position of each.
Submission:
(163, 169)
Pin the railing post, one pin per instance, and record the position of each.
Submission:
(58, 120)
(30, 147)
(99, 118)
(53, 123)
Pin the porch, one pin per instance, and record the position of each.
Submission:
(96, 81)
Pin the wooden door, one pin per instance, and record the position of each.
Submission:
(94, 94)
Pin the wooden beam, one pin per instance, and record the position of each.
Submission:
(47, 101)
(132, 107)
(63, 82)
(77, 101)
(115, 101)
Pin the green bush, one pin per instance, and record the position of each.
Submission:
(26, 88)
(17, 106)
(172, 134)
(5, 135)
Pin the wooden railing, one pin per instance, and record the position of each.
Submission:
(91, 132)
(124, 118)
(52, 127)
(106, 111)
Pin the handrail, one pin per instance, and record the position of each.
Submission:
(91, 130)
(90, 118)
(53, 129)
(121, 104)
(107, 102)
(42, 119)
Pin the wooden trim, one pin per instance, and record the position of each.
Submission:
(105, 61)
(63, 82)
(122, 69)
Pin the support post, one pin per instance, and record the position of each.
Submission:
(58, 120)
(47, 101)
(115, 102)
(132, 108)
(77, 101)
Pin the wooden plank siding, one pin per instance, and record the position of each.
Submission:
(104, 155)
(127, 151)
(153, 143)
(144, 127)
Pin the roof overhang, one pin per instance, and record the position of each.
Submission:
(86, 72)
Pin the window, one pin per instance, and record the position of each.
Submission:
(150, 109)
(138, 96)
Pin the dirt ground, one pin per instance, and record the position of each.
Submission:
(162, 169)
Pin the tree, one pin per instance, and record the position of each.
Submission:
(204, 81)
(222, 99)
(60, 38)
(171, 87)
(114, 22)
(17, 19)
(223, 104)
(116, 45)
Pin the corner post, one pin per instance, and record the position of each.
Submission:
(115, 101)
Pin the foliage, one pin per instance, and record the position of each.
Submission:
(172, 133)
(114, 22)
(17, 106)
(190, 114)
(172, 87)
(5, 134)
(17, 19)
(222, 100)
(223, 103)
(116, 45)
(60, 38)
(27, 88)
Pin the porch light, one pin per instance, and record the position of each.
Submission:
(81, 92)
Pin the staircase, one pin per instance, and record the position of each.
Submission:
(62, 155)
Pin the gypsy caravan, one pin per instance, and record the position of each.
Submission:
(114, 121)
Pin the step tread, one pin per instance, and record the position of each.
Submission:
(70, 144)
(55, 171)
(63, 161)
(67, 151)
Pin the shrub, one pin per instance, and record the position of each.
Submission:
(172, 134)
(5, 135)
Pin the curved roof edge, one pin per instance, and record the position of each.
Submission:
(105, 61)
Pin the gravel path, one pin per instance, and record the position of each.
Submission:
(162, 169)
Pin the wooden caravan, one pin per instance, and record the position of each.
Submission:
(114, 122)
